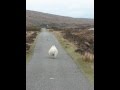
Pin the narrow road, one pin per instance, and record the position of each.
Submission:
(44, 73)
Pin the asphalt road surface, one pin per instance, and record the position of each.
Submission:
(45, 73)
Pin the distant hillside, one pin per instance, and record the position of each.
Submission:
(40, 19)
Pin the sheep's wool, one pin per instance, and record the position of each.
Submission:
(53, 51)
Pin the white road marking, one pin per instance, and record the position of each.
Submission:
(51, 78)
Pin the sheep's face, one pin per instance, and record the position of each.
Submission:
(53, 52)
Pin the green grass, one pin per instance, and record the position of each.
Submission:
(85, 67)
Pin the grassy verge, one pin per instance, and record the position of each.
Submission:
(29, 53)
(86, 67)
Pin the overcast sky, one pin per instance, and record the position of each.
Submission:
(72, 8)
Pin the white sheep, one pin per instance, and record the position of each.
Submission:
(53, 52)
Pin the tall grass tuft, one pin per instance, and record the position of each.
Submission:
(88, 57)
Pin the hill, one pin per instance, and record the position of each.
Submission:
(39, 19)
